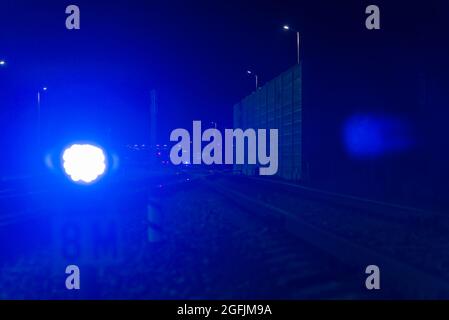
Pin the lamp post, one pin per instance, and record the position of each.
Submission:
(287, 28)
(255, 76)
(39, 98)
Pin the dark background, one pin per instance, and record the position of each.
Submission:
(195, 55)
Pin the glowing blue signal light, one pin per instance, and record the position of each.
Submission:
(84, 162)
(371, 136)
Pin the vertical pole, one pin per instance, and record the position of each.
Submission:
(257, 82)
(297, 44)
(39, 118)
(153, 120)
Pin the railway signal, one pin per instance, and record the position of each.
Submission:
(84, 163)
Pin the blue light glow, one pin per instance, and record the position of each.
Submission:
(84, 162)
(367, 135)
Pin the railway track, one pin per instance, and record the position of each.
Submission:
(211, 248)
(355, 236)
(257, 256)
(240, 239)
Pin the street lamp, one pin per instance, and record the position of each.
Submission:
(255, 76)
(2, 63)
(287, 28)
(39, 113)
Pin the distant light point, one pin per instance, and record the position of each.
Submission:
(286, 27)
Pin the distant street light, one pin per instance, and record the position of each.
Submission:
(2, 62)
(39, 114)
(287, 28)
(255, 76)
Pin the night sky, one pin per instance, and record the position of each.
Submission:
(196, 54)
